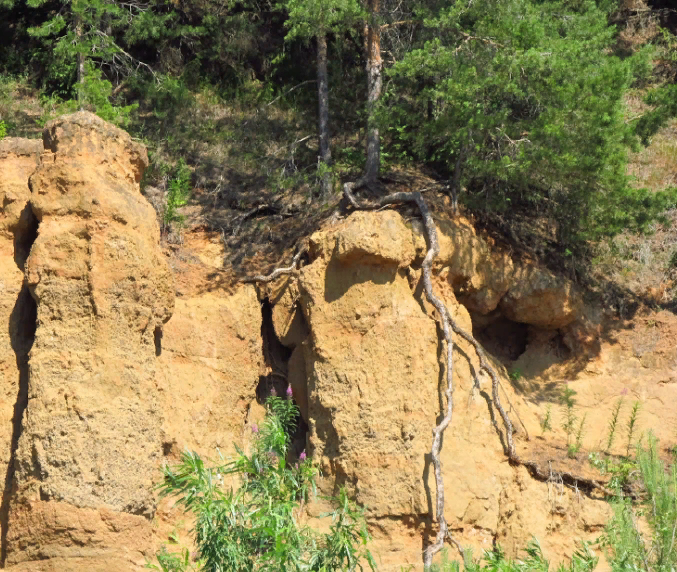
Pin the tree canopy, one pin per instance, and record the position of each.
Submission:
(514, 105)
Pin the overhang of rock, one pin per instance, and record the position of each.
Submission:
(375, 373)
(542, 299)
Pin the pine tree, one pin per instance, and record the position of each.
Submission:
(317, 19)
(522, 103)
(80, 37)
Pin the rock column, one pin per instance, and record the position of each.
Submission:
(90, 436)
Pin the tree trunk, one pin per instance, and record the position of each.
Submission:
(81, 60)
(374, 86)
(455, 186)
(323, 103)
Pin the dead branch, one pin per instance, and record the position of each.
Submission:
(292, 269)
(399, 23)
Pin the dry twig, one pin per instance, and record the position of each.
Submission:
(291, 269)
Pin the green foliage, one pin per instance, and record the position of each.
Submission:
(516, 375)
(525, 99)
(94, 95)
(3, 130)
(307, 18)
(627, 547)
(171, 562)
(546, 422)
(77, 29)
(574, 448)
(247, 509)
(570, 417)
(613, 424)
(178, 194)
(632, 426)
(619, 469)
(494, 560)
(663, 100)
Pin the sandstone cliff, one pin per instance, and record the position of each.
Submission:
(116, 355)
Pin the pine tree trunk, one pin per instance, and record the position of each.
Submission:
(323, 102)
(374, 85)
(81, 60)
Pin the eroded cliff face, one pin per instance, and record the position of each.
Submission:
(375, 371)
(115, 356)
(18, 159)
(97, 390)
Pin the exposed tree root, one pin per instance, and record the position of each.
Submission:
(567, 478)
(449, 325)
(292, 269)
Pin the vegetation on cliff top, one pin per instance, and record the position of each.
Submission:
(516, 107)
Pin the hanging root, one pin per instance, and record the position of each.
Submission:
(291, 269)
(448, 326)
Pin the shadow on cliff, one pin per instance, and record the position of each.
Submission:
(339, 277)
(22, 327)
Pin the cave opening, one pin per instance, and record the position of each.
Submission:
(277, 357)
(25, 234)
(503, 338)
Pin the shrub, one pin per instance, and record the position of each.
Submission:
(583, 560)
(255, 526)
(613, 424)
(177, 195)
(3, 130)
(94, 94)
(627, 547)
(546, 422)
(570, 419)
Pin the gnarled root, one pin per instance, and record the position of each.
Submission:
(448, 326)
(291, 269)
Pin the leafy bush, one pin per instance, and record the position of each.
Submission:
(255, 525)
(618, 469)
(95, 95)
(3, 130)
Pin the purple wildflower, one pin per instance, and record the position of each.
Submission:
(303, 455)
(289, 391)
(255, 428)
(273, 392)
